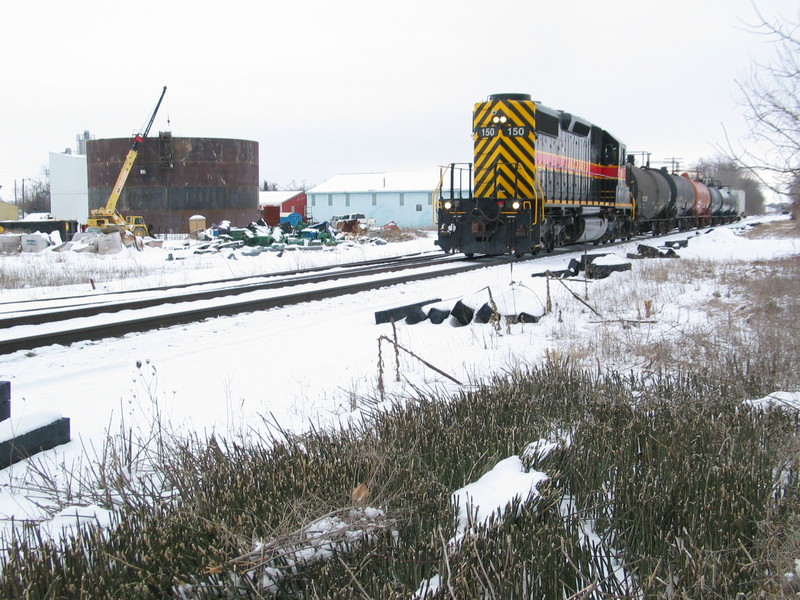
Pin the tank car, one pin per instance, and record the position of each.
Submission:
(728, 211)
(682, 200)
(654, 200)
(716, 205)
(540, 178)
(701, 208)
(737, 202)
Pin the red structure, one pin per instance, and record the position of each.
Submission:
(175, 178)
(274, 205)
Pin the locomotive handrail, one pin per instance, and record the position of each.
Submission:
(537, 188)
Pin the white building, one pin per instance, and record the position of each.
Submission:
(403, 197)
(69, 187)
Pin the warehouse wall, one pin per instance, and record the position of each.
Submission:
(407, 209)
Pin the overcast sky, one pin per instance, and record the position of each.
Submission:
(343, 86)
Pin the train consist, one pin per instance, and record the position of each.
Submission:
(543, 178)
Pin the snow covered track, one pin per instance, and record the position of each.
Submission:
(34, 324)
(33, 312)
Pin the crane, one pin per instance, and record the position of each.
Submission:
(108, 215)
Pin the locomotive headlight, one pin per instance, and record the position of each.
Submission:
(448, 205)
(499, 119)
(515, 205)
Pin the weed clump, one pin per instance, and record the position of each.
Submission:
(660, 485)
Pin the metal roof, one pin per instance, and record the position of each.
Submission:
(390, 181)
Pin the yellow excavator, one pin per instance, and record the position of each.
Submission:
(108, 216)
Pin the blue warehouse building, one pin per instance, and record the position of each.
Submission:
(403, 197)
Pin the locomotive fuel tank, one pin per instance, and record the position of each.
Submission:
(594, 228)
(650, 190)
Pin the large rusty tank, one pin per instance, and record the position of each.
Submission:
(176, 178)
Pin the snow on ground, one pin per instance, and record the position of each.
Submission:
(311, 363)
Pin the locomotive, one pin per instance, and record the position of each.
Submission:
(542, 178)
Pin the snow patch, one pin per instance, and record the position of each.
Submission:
(17, 426)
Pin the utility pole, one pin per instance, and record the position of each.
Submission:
(675, 164)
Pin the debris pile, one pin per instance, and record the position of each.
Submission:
(643, 251)
(110, 240)
(514, 304)
(595, 266)
(255, 238)
(260, 237)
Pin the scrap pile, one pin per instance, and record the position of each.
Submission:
(253, 239)
(260, 237)
(110, 240)
(260, 234)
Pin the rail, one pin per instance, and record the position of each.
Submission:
(45, 327)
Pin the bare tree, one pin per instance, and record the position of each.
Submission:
(770, 95)
(302, 186)
(269, 186)
(36, 196)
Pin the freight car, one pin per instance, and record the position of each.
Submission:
(542, 178)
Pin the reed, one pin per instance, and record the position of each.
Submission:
(662, 486)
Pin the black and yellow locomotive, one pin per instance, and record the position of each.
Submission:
(540, 178)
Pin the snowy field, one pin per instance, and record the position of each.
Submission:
(314, 363)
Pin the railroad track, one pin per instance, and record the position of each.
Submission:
(33, 312)
(31, 324)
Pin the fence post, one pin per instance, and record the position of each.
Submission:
(5, 400)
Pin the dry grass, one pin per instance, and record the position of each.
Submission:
(46, 270)
(775, 229)
(707, 311)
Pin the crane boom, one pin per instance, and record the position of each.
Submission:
(116, 191)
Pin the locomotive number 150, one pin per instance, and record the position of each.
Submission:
(511, 131)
